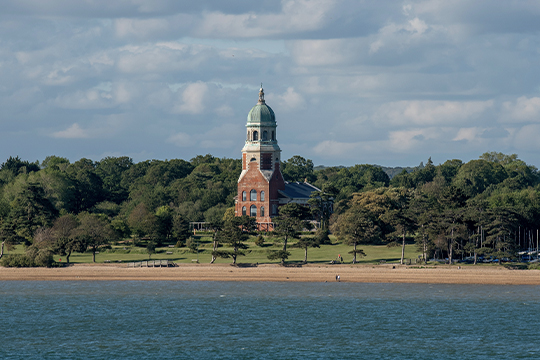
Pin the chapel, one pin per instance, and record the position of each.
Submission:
(261, 187)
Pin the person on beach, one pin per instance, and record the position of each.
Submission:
(338, 279)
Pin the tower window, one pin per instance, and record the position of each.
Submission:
(265, 135)
(253, 211)
(244, 196)
(253, 195)
(262, 211)
(255, 136)
(273, 136)
(244, 211)
(262, 195)
(266, 161)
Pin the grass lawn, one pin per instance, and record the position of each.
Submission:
(254, 254)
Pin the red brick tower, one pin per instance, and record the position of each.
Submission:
(261, 178)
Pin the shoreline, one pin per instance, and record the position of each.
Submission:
(274, 272)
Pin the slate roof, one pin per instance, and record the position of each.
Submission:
(298, 190)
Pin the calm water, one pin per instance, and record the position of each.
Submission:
(224, 320)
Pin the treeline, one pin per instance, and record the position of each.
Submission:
(490, 205)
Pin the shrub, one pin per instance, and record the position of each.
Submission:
(17, 260)
(259, 241)
(179, 244)
(44, 258)
(192, 244)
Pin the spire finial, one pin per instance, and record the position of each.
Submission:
(261, 96)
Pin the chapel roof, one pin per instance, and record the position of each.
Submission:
(261, 113)
(298, 190)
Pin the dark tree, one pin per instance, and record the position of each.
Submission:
(357, 226)
(31, 210)
(64, 234)
(94, 231)
(233, 236)
(290, 223)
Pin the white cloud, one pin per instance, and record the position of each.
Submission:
(181, 140)
(335, 148)
(523, 109)
(468, 134)
(192, 99)
(290, 100)
(296, 16)
(215, 138)
(72, 132)
(431, 112)
(526, 138)
(406, 140)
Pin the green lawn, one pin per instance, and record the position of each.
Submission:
(254, 254)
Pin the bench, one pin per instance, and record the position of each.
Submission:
(169, 252)
(195, 261)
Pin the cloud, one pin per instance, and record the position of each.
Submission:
(526, 138)
(522, 109)
(331, 148)
(290, 100)
(296, 16)
(407, 140)
(468, 134)
(223, 136)
(431, 112)
(192, 99)
(72, 132)
(181, 140)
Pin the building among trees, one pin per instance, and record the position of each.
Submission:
(261, 187)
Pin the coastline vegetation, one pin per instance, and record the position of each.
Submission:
(483, 211)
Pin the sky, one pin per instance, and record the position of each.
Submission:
(350, 81)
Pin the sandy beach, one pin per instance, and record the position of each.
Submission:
(270, 272)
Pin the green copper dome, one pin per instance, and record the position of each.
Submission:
(261, 113)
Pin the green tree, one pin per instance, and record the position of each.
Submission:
(475, 176)
(289, 223)
(233, 236)
(150, 248)
(142, 222)
(94, 231)
(55, 162)
(321, 204)
(30, 210)
(16, 165)
(64, 235)
(356, 226)
(110, 171)
(305, 243)
(164, 222)
(297, 169)
(180, 227)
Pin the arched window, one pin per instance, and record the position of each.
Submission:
(262, 211)
(244, 211)
(265, 135)
(262, 195)
(274, 209)
(253, 195)
(244, 196)
(255, 136)
(253, 211)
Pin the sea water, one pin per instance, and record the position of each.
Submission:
(266, 320)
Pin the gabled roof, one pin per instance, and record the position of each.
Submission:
(298, 190)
